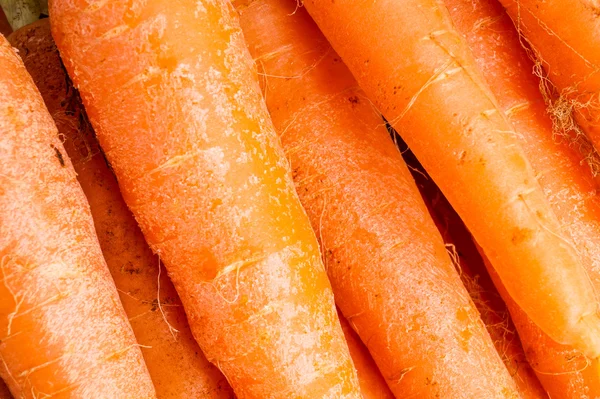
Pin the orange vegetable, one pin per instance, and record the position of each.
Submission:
(170, 91)
(564, 372)
(564, 37)
(390, 272)
(372, 383)
(476, 279)
(161, 327)
(63, 331)
(419, 72)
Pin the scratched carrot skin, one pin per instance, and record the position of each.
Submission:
(390, 272)
(418, 70)
(171, 93)
(473, 273)
(562, 173)
(148, 297)
(63, 331)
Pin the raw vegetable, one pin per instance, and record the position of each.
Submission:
(477, 281)
(63, 331)
(419, 72)
(390, 272)
(566, 180)
(372, 383)
(564, 39)
(149, 298)
(169, 89)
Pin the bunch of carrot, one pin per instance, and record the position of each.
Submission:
(216, 199)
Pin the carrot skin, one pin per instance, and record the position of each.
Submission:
(372, 383)
(564, 38)
(563, 371)
(419, 72)
(562, 174)
(184, 128)
(162, 330)
(63, 330)
(477, 281)
(396, 286)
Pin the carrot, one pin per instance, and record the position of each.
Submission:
(564, 372)
(419, 72)
(63, 330)
(476, 279)
(149, 298)
(564, 39)
(390, 272)
(184, 128)
(372, 383)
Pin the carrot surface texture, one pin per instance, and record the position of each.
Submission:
(390, 272)
(418, 70)
(171, 92)
(566, 180)
(477, 281)
(176, 364)
(63, 331)
(564, 38)
(372, 383)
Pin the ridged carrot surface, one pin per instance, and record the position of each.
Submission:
(390, 272)
(63, 331)
(149, 298)
(475, 277)
(561, 171)
(418, 70)
(170, 90)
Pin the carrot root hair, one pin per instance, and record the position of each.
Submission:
(562, 105)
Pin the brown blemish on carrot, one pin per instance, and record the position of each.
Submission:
(58, 155)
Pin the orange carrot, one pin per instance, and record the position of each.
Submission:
(565, 39)
(372, 383)
(397, 286)
(63, 331)
(419, 72)
(564, 372)
(476, 279)
(149, 298)
(170, 91)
